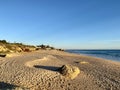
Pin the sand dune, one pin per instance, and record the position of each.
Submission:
(38, 71)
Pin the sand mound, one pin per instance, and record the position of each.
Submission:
(84, 62)
(40, 61)
(69, 71)
(35, 62)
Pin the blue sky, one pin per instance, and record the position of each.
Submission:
(69, 24)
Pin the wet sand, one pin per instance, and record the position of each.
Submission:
(38, 71)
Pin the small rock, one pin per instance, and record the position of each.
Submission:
(2, 55)
(84, 62)
(69, 71)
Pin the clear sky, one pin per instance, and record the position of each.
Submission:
(75, 24)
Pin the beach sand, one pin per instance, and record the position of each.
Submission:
(38, 71)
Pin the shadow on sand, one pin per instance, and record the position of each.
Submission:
(52, 68)
(6, 86)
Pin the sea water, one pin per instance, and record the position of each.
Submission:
(106, 54)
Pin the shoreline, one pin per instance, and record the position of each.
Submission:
(111, 58)
(36, 71)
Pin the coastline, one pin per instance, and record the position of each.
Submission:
(96, 73)
(108, 54)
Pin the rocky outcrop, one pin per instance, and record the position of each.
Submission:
(69, 71)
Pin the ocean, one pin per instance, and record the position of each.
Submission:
(106, 54)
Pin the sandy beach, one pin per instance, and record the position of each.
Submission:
(38, 71)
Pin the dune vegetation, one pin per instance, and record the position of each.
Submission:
(7, 47)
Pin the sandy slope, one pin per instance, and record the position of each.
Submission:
(38, 71)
